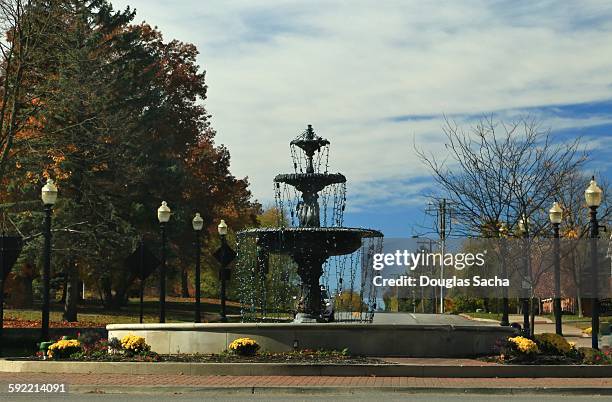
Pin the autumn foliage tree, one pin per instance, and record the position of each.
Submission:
(121, 127)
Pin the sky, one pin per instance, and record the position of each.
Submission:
(377, 79)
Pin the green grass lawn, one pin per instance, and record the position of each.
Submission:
(491, 316)
(575, 320)
(177, 310)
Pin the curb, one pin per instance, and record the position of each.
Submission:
(329, 390)
(279, 369)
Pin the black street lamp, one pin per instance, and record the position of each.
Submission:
(526, 284)
(503, 234)
(198, 224)
(593, 196)
(163, 215)
(556, 215)
(222, 229)
(49, 196)
(224, 255)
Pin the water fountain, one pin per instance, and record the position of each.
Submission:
(312, 242)
(309, 244)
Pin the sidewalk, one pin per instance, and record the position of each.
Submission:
(546, 325)
(114, 383)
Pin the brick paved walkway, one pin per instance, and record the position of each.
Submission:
(300, 381)
(438, 361)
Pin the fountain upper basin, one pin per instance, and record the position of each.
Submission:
(301, 240)
(310, 182)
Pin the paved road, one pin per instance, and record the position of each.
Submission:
(425, 319)
(427, 397)
(542, 325)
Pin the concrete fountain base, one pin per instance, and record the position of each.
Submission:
(390, 335)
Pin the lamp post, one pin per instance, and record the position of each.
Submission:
(524, 229)
(556, 215)
(593, 196)
(198, 224)
(163, 215)
(49, 196)
(503, 233)
(222, 229)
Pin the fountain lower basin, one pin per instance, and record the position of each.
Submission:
(383, 339)
(300, 240)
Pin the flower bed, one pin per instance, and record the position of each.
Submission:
(131, 348)
(547, 349)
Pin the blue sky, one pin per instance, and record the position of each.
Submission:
(377, 77)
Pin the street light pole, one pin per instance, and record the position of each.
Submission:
(595, 301)
(46, 275)
(162, 276)
(593, 196)
(503, 233)
(556, 215)
(222, 229)
(198, 224)
(524, 228)
(49, 196)
(163, 215)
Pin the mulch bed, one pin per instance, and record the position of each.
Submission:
(301, 357)
(10, 322)
(539, 361)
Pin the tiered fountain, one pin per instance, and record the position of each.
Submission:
(309, 244)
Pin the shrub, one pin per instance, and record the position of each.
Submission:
(524, 345)
(244, 346)
(553, 344)
(605, 328)
(88, 338)
(465, 304)
(133, 344)
(594, 356)
(63, 348)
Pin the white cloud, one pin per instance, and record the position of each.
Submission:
(347, 67)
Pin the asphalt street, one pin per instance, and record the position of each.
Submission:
(365, 396)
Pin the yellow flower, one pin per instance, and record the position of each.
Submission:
(244, 346)
(524, 345)
(62, 345)
(553, 342)
(134, 343)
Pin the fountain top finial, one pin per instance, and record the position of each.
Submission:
(310, 132)
(310, 143)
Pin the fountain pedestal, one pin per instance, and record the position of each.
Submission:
(310, 269)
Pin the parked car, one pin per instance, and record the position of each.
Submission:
(327, 305)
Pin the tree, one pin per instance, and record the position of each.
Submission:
(26, 26)
(501, 173)
(121, 127)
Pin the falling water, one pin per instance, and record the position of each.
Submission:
(269, 286)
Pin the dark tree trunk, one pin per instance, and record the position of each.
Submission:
(107, 293)
(71, 292)
(121, 296)
(65, 287)
(184, 283)
(28, 292)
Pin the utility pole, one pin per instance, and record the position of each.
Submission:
(426, 246)
(442, 212)
(442, 222)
